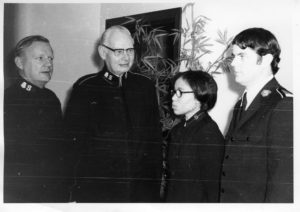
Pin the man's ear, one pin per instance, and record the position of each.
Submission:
(102, 52)
(19, 62)
(267, 59)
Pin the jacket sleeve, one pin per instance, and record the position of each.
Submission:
(155, 118)
(280, 153)
(76, 114)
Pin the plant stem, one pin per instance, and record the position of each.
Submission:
(220, 58)
(193, 35)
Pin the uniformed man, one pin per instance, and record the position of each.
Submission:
(35, 163)
(113, 119)
(258, 163)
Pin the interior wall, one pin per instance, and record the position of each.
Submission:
(74, 29)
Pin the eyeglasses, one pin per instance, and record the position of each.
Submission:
(120, 52)
(179, 93)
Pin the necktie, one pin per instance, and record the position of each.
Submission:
(244, 101)
(242, 106)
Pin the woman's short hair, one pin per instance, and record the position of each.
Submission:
(203, 85)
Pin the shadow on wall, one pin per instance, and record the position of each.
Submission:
(10, 27)
(10, 69)
(97, 61)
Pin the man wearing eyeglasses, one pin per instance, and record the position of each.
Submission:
(113, 119)
(35, 165)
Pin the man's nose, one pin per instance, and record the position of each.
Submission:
(48, 61)
(233, 62)
(126, 55)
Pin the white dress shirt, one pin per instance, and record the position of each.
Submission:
(253, 90)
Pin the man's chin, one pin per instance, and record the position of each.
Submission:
(240, 82)
(120, 72)
(238, 79)
(45, 80)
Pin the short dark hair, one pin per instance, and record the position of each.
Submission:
(262, 41)
(27, 41)
(203, 85)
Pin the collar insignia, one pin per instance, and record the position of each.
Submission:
(26, 86)
(108, 76)
(265, 93)
(113, 79)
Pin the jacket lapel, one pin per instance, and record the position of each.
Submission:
(258, 103)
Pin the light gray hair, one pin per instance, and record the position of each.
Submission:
(106, 34)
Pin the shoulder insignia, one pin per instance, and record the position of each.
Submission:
(139, 74)
(82, 80)
(283, 92)
(265, 93)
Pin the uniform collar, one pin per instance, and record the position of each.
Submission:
(112, 78)
(27, 86)
(254, 89)
(195, 117)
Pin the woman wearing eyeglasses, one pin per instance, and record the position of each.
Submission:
(196, 145)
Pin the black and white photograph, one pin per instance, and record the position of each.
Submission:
(149, 106)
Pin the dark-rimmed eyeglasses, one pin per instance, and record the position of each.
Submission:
(179, 93)
(120, 52)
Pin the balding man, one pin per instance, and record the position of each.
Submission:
(113, 119)
(36, 165)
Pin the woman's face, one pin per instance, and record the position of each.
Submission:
(186, 104)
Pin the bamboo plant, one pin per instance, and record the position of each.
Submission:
(195, 45)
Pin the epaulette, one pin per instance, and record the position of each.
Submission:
(143, 75)
(85, 78)
(283, 92)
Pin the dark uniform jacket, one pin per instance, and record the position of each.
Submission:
(195, 154)
(35, 168)
(258, 163)
(114, 123)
